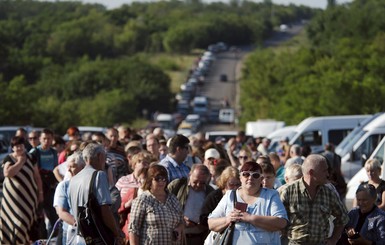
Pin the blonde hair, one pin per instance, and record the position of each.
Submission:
(373, 164)
(143, 155)
(293, 172)
(228, 173)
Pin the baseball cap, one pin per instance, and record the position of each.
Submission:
(212, 153)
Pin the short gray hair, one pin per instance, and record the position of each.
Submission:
(77, 158)
(91, 152)
(312, 162)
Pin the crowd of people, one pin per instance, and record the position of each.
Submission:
(183, 190)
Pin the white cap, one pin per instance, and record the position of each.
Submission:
(212, 153)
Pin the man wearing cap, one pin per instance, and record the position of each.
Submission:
(174, 161)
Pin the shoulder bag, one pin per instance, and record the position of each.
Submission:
(226, 236)
(89, 218)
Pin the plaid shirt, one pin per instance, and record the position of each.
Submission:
(175, 171)
(309, 219)
(154, 221)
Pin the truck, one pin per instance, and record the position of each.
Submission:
(263, 127)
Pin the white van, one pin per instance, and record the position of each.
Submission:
(317, 131)
(361, 176)
(276, 136)
(362, 142)
(226, 115)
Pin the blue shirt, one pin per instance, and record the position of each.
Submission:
(267, 204)
(48, 159)
(175, 171)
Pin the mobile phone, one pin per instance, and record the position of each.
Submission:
(241, 206)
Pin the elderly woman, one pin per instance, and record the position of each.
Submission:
(263, 216)
(75, 164)
(156, 215)
(22, 190)
(373, 170)
(366, 222)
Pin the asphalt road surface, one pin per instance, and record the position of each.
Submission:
(230, 64)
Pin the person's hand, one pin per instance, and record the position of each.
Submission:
(231, 144)
(234, 216)
(21, 158)
(128, 204)
(188, 222)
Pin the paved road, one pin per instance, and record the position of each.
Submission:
(230, 63)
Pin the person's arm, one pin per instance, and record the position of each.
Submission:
(65, 215)
(218, 224)
(382, 204)
(10, 170)
(336, 235)
(268, 223)
(57, 174)
(134, 239)
(109, 221)
(138, 213)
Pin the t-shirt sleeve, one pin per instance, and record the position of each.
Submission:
(102, 189)
(61, 198)
(137, 216)
(277, 209)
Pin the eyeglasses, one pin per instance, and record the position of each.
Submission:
(160, 178)
(247, 174)
(243, 157)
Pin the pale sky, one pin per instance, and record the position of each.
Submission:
(110, 4)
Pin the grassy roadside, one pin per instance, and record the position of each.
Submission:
(176, 66)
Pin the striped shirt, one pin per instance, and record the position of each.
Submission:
(309, 219)
(125, 183)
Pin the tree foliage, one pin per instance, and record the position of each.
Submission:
(68, 63)
(342, 71)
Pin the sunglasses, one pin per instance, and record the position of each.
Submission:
(32, 138)
(160, 178)
(243, 157)
(247, 174)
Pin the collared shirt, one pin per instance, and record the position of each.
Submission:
(175, 170)
(309, 219)
(125, 183)
(154, 221)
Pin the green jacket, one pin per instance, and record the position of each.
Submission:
(179, 187)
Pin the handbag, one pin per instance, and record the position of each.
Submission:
(226, 236)
(90, 225)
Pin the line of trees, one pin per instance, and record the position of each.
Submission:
(67, 63)
(341, 70)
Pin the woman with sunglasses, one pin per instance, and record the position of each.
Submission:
(156, 215)
(259, 214)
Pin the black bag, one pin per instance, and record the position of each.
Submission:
(226, 236)
(90, 224)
